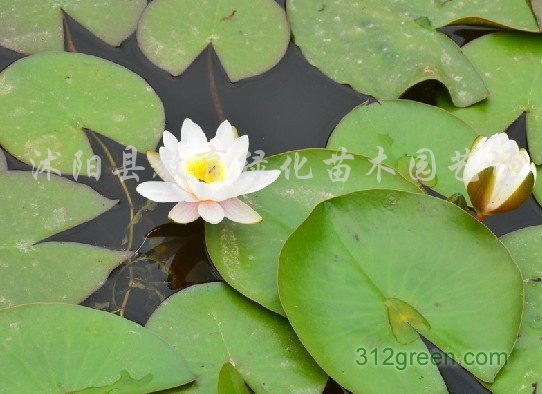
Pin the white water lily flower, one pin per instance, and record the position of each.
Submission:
(205, 177)
(498, 175)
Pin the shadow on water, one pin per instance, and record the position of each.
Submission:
(290, 107)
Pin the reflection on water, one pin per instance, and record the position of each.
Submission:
(171, 258)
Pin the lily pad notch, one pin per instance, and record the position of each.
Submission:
(36, 271)
(74, 349)
(400, 48)
(47, 100)
(212, 325)
(29, 26)
(249, 36)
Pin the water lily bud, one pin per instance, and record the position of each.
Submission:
(499, 176)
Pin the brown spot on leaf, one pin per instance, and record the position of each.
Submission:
(230, 16)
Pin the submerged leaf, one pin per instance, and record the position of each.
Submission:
(249, 36)
(32, 210)
(247, 256)
(439, 271)
(211, 325)
(60, 348)
(31, 26)
(47, 100)
(379, 51)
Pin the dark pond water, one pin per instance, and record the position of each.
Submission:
(292, 106)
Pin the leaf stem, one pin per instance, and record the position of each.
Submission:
(212, 85)
(124, 188)
(71, 48)
(68, 40)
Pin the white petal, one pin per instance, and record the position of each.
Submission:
(169, 158)
(211, 211)
(224, 135)
(163, 192)
(184, 212)
(192, 134)
(235, 158)
(238, 211)
(203, 191)
(248, 182)
(475, 164)
(173, 163)
(252, 181)
(170, 142)
(158, 166)
(490, 152)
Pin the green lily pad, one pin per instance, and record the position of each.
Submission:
(60, 348)
(33, 209)
(410, 134)
(230, 381)
(47, 100)
(523, 372)
(249, 36)
(510, 66)
(211, 324)
(367, 271)
(30, 26)
(537, 189)
(247, 256)
(397, 51)
(515, 14)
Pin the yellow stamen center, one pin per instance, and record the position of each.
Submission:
(206, 169)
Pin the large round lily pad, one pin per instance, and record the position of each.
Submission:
(32, 209)
(379, 51)
(510, 66)
(31, 26)
(523, 372)
(247, 256)
(47, 100)
(60, 348)
(411, 135)
(249, 36)
(370, 270)
(211, 325)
